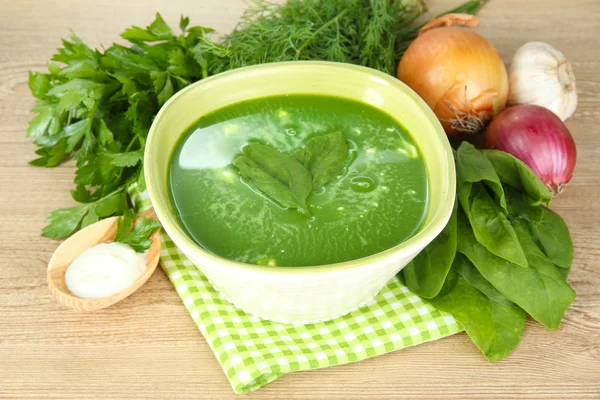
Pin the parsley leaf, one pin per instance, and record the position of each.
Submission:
(163, 86)
(136, 237)
(183, 23)
(127, 159)
(157, 30)
(64, 221)
(39, 84)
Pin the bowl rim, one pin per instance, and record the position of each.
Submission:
(413, 244)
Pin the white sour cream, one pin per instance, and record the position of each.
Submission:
(104, 270)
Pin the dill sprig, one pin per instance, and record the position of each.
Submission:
(351, 31)
(373, 33)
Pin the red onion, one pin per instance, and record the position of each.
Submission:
(536, 136)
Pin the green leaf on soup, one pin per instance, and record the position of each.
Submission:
(492, 228)
(278, 175)
(324, 156)
(539, 289)
(426, 273)
(517, 174)
(494, 323)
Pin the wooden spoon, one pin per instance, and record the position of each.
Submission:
(100, 232)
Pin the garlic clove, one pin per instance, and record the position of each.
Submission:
(541, 75)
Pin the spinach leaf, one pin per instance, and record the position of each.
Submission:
(491, 227)
(517, 174)
(493, 322)
(520, 206)
(278, 175)
(487, 216)
(324, 156)
(468, 272)
(546, 228)
(539, 288)
(472, 166)
(552, 236)
(531, 248)
(426, 273)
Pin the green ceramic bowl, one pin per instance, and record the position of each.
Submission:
(301, 294)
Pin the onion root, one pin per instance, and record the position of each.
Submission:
(557, 188)
(470, 119)
(465, 121)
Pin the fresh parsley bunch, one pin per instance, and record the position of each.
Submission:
(98, 107)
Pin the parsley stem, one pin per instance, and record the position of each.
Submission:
(135, 137)
(119, 189)
(92, 115)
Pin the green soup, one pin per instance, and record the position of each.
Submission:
(378, 201)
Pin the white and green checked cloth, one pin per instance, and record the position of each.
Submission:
(254, 352)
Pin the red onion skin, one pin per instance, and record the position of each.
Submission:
(538, 137)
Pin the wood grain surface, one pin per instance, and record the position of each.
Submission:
(147, 347)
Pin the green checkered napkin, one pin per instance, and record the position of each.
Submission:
(254, 352)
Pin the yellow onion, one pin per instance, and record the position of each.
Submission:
(458, 73)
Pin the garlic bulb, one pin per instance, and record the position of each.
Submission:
(541, 75)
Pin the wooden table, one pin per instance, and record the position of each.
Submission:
(147, 346)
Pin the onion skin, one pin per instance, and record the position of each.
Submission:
(459, 74)
(538, 137)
